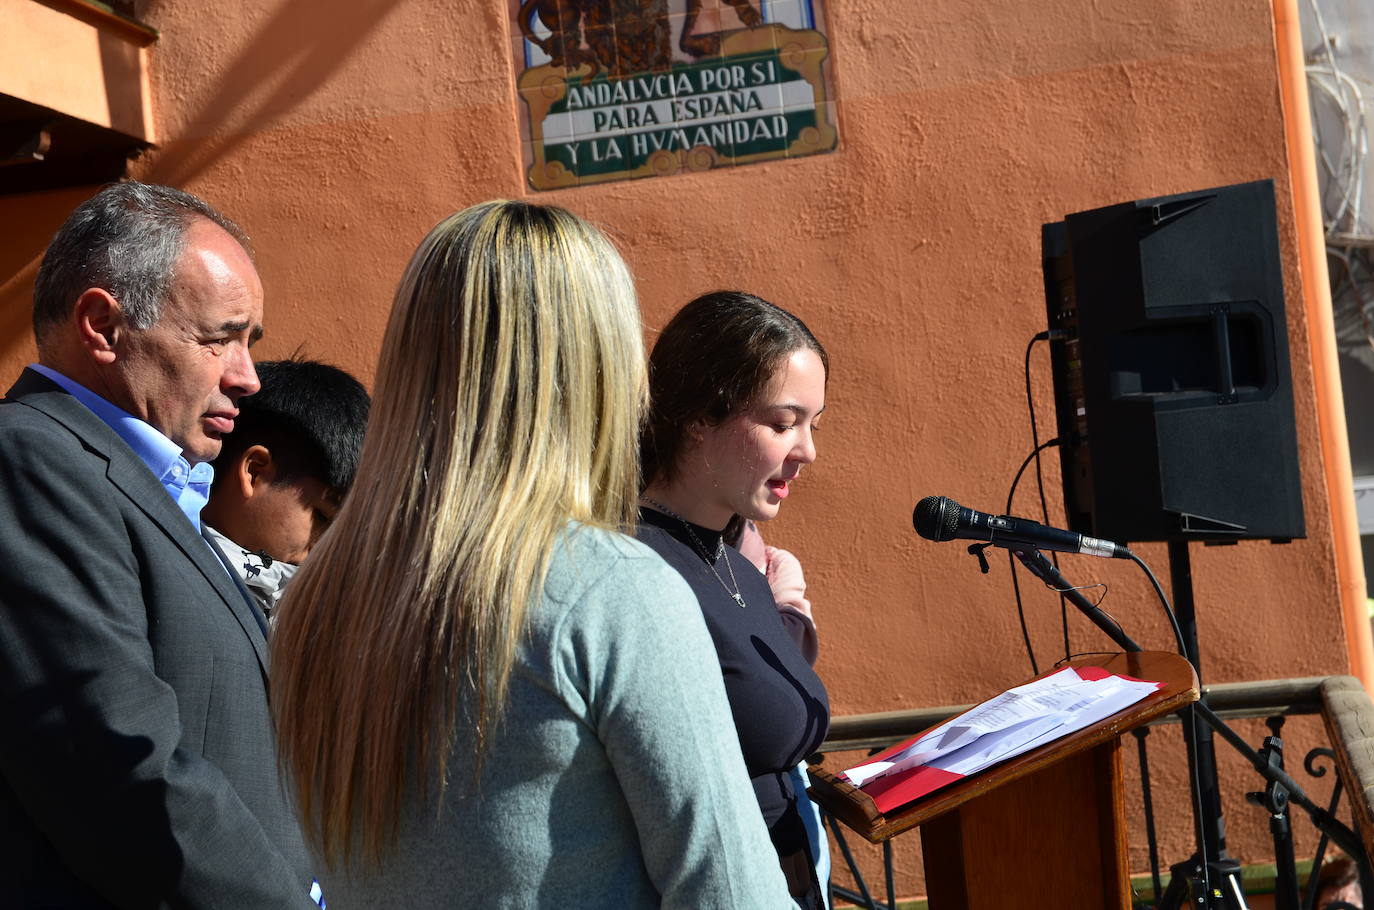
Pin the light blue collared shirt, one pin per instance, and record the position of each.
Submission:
(188, 486)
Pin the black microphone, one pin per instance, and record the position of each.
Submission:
(941, 518)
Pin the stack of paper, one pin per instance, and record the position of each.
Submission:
(1014, 722)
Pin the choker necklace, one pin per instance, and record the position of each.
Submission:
(701, 551)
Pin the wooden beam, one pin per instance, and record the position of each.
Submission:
(24, 142)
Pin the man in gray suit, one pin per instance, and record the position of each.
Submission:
(137, 765)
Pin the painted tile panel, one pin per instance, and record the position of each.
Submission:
(620, 89)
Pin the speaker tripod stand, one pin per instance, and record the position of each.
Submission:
(1210, 878)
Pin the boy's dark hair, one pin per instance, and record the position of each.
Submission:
(310, 415)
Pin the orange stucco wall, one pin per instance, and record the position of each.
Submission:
(338, 133)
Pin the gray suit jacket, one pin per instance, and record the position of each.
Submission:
(137, 759)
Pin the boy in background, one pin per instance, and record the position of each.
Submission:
(282, 474)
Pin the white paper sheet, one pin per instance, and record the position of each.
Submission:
(1014, 722)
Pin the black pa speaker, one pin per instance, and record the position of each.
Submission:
(1171, 380)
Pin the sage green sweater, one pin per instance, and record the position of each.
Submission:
(615, 779)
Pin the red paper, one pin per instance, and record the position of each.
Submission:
(896, 790)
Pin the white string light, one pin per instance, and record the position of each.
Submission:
(1349, 236)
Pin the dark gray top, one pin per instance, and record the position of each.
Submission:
(779, 704)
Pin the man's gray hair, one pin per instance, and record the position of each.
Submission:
(126, 240)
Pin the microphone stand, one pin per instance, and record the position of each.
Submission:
(1047, 572)
(1199, 882)
(1210, 864)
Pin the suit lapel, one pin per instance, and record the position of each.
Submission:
(132, 477)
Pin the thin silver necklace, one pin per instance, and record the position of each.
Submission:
(701, 551)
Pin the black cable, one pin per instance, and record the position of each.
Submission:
(1011, 559)
(1163, 599)
(1021, 615)
(1044, 511)
(1040, 480)
(1049, 443)
(1188, 716)
(1063, 601)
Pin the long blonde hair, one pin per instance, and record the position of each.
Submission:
(508, 399)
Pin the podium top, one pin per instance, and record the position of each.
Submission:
(1179, 687)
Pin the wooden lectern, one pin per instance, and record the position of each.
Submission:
(1055, 815)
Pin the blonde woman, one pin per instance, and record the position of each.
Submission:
(468, 672)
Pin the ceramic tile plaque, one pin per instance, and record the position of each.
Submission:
(619, 89)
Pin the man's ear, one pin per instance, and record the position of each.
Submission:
(100, 325)
(254, 469)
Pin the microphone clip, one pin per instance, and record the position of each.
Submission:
(977, 550)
